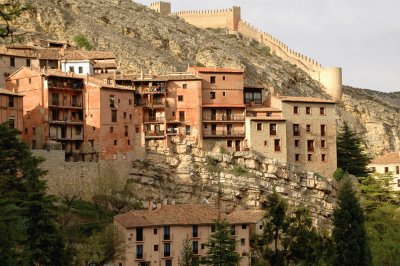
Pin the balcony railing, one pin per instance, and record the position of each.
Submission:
(172, 131)
(153, 90)
(152, 119)
(224, 133)
(154, 134)
(238, 118)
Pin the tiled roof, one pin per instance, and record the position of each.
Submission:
(223, 105)
(184, 215)
(245, 216)
(216, 69)
(267, 118)
(392, 157)
(137, 77)
(105, 65)
(7, 92)
(304, 99)
(17, 52)
(169, 215)
(104, 84)
(82, 54)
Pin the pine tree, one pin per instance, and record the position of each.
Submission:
(351, 157)
(22, 188)
(221, 247)
(186, 256)
(349, 233)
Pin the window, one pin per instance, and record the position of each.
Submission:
(167, 249)
(113, 115)
(155, 231)
(265, 143)
(130, 101)
(71, 69)
(322, 110)
(195, 247)
(308, 110)
(212, 95)
(111, 129)
(323, 130)
(296, 130)
(242, 241)
(30, 81)
(168, 263)
(323, 157)
(195, 231)
(139, 234)
(308, 128)
(126, 131)
(310, 145)
(130, 117)
(223, 77)
(233, 231)
(252, 96)
(184, 86)
(166, 233)
(139, 251)
(115, 142)
(296, 110)
(187, 130)
(182, 116)
(11, 122)
(78, 130)
(373, 169)
(260, 227)
(212, 79)
(10, 101)
(28, 62)
(180, 98)
(12, 61)
(398, 182)
(33, 144)
(155, 248)
(129, 142)
(277, 143)
(323, 143)
(297, 143)
(137, 129)
(297, 157)
(80, 70)
(203, 246)
(386, 169)
(212, 228)
(124, 115)
(112, 101)
(229, 143)
(259, 126)
(272, 129)
(397, 170)
(309, 157)
(26, 131)
(244, 226)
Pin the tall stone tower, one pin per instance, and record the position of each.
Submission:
(161, 7)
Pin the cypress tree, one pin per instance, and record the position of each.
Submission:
(221, 247)
(186, 256)
(351, 157)
(349, 233)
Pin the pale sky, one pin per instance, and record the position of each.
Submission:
(361, 36)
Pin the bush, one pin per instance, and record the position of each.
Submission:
(82, 42)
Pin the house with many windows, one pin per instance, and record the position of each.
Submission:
(155, 236)
(11, 109)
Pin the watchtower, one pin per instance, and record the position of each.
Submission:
(161, 7)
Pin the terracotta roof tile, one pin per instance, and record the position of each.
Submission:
(392, 157)
(17, 52)
(216, 69)
(185, 215)
(7, 92)
(304, 99)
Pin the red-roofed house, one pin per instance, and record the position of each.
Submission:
(388, 163)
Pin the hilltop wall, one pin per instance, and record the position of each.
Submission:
(329, 77)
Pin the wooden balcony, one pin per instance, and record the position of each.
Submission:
(224, 118)
(152, 119)
(154, 134)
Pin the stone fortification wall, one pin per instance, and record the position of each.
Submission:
(221, 18)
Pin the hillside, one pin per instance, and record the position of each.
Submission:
(144, 39)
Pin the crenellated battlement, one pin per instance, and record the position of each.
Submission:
(230, 18)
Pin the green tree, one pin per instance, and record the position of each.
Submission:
(349, 233)
(351, 156)
(186, 257)
(22, 188)
(82, 42)
(221, 246)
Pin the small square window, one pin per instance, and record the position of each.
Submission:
(184, 86)
(12, 61)
(115, 142)
(244, 226)
(323, 157)
(212, 95)
(223, 77)
(242, 241)
(137, 129)
(71, 69)
(155, 247)
(124, 115)
(180, 98)
(308, 110)
(309, 157)
(28, 62)
(80, 70)
(323, 143)
(130, 101)
(296, 110)
(212, 79)
(308, 128)
(259, 126)
(155, 231)
(30, 81)
(297, 157)
(322, 110)
(296, 143)
(223, 93)
(265, 143)
(229, 143)
(129, 142)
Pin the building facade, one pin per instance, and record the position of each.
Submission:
(155, 236)
(11, 109)
(388, 164)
